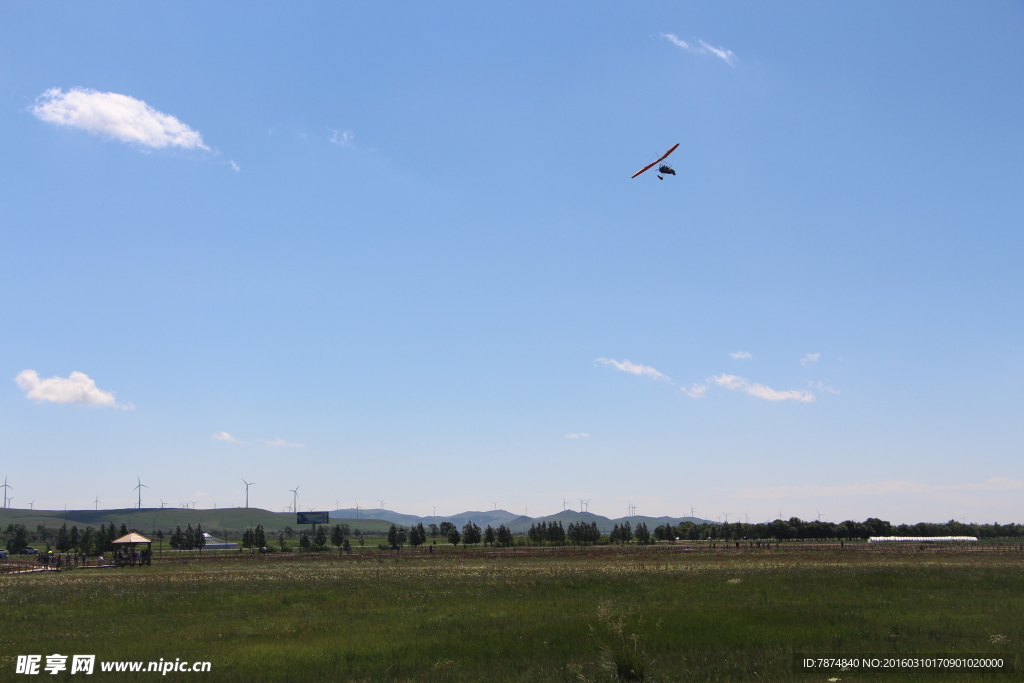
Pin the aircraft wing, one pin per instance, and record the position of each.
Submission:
(660, 159)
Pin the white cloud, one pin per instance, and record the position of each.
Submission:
(696, 391)
(224, 436)
(876, 488)
(235, 167)
(633, 368)
(702, 48)
(734, 383)
(116, 116)
(741, 355)
(342, 138)
(78, 387)
(581, 435)
(278, 442)
(810, 359)
(273, 443)
(821, 386)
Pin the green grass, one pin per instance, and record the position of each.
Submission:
(457, 616)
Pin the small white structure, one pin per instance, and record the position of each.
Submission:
(923, 539)
(217, 544)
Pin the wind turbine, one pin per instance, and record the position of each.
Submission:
(564, 502)
(435, 510)
(819, 513)
(495, 504)
(5, 487)
(295, 499)
(382, 506)
(97, 502)
(194, 504)
(581, 506)
(162, 503)
(31, 505)
(247, 485)
(726, 516)
(357, 509)
(140, 487)
(586, 504)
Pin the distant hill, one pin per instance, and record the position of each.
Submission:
(148, 519)
(517, 523)
(238, 519)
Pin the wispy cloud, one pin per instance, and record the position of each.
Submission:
(580, 435)
(77, 387)
(741, 355)
(821, 386)
(279, 442)
(737, 383)
(876, 488)
(273, 443)
(810, 359)
(235, 167)
(702, 48)
(632, 368)
(342, 138)
(116, 116)
(224, 436)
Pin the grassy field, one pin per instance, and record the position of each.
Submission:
(475, 616)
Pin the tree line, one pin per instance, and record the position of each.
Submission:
(797, 529)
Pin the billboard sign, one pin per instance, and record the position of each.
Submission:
(313, 518)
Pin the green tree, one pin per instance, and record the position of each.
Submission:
(446, 529)
(470, 533)
(124, 530)
(177, 541)
(434, 531)
(88, 537)
(260, 537)
(336, 536)
(643, 536)
(63, 539)
(489, 536)
(453, 535)
(17, 538)
(303, 540)
(504, 536)
(393, 537)
(76, 538)
(320, 538)
(200, 538)
(346, 546)
(247, 538)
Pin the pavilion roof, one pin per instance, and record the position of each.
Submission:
(133, 538)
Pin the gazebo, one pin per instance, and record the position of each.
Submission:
(129, 556)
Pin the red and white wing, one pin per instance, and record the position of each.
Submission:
(660, 159)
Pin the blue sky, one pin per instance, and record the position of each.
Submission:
(397, 254)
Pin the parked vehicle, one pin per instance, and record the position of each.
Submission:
(3, 554)
(29, 550)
